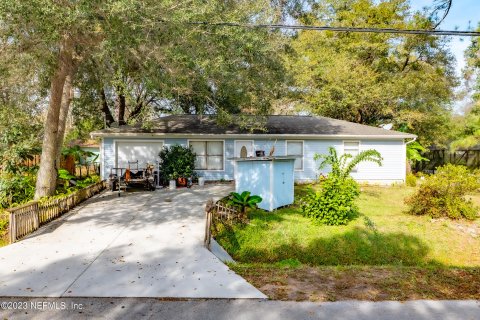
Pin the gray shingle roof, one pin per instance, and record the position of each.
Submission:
(275, 125)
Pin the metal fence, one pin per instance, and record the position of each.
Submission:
(438, 157)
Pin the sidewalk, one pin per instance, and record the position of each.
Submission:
(241, 309)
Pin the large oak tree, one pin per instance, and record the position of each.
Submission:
(127, 55)
(375, 78)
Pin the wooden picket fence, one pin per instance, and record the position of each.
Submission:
(25, 219)
(218, 212)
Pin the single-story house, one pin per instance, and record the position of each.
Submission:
(303, 136)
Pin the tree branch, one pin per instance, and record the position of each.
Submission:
(105, 109)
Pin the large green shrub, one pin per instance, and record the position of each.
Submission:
(177, 162)
(334, 204)
(443, 194)
(16, 189)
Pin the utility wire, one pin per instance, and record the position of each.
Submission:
(338, 29)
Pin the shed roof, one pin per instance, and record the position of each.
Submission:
(276, 125)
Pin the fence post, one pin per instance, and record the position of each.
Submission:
(13, 228)
(209, 207)
(36, 217)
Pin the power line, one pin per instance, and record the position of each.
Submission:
(339, 29)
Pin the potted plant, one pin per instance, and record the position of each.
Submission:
(178, 164)
(172, 182)
(181, 181)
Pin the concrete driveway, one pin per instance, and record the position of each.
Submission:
(143, 244)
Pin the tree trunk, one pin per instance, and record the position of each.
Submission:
(47, 175)
(105, 109)
(62, 119)
(121, 109)
(136, 112)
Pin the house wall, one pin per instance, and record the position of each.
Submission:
(108, 157)
(393, 167)
(392, 151)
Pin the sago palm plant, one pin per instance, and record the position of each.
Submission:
(342, 166)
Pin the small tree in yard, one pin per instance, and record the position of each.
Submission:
(443, 194)
(334, 203)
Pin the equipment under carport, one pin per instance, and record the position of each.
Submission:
(123, 178)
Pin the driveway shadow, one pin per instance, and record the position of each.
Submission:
(136, 209)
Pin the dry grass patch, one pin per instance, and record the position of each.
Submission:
(362, 283)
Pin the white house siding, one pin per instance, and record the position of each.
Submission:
(108, 157)
(310, 147)
(393, 167)
(310, 166)
(392, 151)
(108, 153)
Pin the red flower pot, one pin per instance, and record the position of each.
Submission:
(181, 182)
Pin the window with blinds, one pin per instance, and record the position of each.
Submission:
(209, 155)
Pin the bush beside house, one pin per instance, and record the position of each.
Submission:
(178, 162)
(334, 204)
(443, 194)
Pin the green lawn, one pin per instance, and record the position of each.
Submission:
(384, 254)
(382, 235)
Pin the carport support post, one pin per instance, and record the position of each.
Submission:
(158, 174)
(119, 179)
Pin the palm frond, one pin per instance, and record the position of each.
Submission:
(364, 156)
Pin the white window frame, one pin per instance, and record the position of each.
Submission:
(355, 170)
(213, 140)
(235, 147)
(303, 152)
(115, 145)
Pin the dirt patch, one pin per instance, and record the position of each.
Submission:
(363, 283)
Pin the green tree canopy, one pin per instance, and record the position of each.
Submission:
(374, 78)
(132, 57)
(181, 67)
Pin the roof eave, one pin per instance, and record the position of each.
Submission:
(98, 134)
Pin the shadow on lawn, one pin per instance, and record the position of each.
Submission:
(356, 247)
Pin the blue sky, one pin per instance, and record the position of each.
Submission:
(461, 13)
